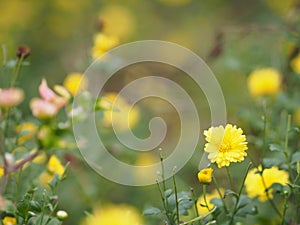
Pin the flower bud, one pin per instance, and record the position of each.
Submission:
(9, 220)
(62, 91)
(23, 52)
(61, 215)
(205, 176)
(46, 136)
(11, 97)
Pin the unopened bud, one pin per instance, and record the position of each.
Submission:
(61, 215)
(23, 52)
(205, 176)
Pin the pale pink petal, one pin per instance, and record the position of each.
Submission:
(45, 92)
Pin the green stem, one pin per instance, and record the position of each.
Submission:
(284, 210)
(4, 50)
(164, 183)
(239, 195)
(17, 185)
(199, 217)
(252, 160)
(268, 196)
(195, 201)
(164, 202)
(176, 198)
(229, 178)
(16, 72)
(297, 178)
(220, 194)
(286, 143)
(43, 212)
(204, 197)
(264, 106)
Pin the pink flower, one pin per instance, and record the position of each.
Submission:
(48, 95)
(50, 103)
(11, 97)
(43, 109)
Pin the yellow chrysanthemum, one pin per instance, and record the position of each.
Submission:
(265, 81)
(114, 215)
(122, 116)
(54, 166)
(205, 175)
(201, 206)
(103, 43)
(9, 220)
(295, 64)
(27, 130)
(225, 145)
(75, 83)
(256, 186)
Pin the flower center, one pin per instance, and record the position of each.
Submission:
(225, 147)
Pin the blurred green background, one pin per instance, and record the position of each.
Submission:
(232, 36)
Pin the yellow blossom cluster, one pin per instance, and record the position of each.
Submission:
(114, 215)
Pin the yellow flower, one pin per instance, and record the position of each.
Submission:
(296, 117)
(114, 215)
(121, 115)
(118, 21)
(256, 186)
(295, 64)
(54, 166)
(103, 43)
(225, 145)
(9, 220)
(27, 131)
(1, 171)
(40, 158)
(265, 81)
(75, 83)
(205, 175)
(201, 206)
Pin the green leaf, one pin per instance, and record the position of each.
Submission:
(294, 186)
(168, 193)
(275, 147)
(152, 211)
(277, 187)
(244, 201)
(231, 192)
(23, 208)
(35, 206)
(295, 157)
(270, 162)
(249, 210)
(54, 221)
(54, 182)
